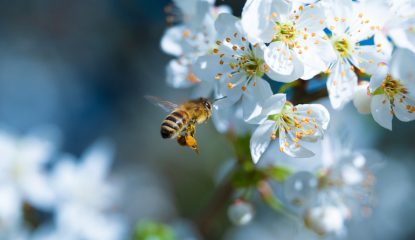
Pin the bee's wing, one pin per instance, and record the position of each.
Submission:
(166, 105)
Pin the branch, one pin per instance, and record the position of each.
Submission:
(214, 207)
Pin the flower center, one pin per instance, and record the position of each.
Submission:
(342, 46)
(242, 60)
(393, 87)
(285, 32)
(250, 64)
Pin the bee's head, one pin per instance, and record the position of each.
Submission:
(207, 104)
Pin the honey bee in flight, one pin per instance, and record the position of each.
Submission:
(181, 122)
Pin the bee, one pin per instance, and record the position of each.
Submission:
(181, 122)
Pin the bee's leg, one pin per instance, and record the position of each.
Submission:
(181, 140)
(190, 139)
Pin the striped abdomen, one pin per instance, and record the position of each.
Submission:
(174, 123)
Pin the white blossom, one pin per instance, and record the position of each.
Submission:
(344, 190)
(350, 25)
(324, 219)
(85, 197)
(193, 37)
(84, 182)
(238, 67)
(393, 90)
(22, 167)
(290, 124)
(298, 46)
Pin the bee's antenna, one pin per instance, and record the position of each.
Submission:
(217, 99)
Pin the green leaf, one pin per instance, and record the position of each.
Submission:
(243, 178)
(149, 230)
(241, 145)
(278, 173)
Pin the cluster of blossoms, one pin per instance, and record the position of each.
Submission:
(363, 49)
(47, 195)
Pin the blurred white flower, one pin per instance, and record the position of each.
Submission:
(396, 20)
(291, 124)
(230, 118)
(298, 46)
(344, 189)
(393, 90)
(85, 198)
(350, 25)
(10, 210)
(193, 37)
(22, 166)
(84, 182)
(324, 219)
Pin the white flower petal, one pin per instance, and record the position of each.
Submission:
(370, 58)
(378, 77)
(177, 74)
(254, 96)
(274, 104)
(256, 18)
(404, 38)
(260, 140)
(291, 147)
(402, 68)
(381, 111)
(310, 18)
(341, 84)
(226, 25)
(313, 120)
(283, 63)
(401, 111)
(172, 40)
(338, 9)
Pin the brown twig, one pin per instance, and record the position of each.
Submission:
(219, 200)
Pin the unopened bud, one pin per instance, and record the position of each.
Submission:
(362, 98)
(240, 212)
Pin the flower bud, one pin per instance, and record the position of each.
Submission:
(324, 220)
(362, 98)
(240, 212)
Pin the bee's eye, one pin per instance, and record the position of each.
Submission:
(207, 105)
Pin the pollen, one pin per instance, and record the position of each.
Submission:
(218, 76)
(186, 33)
(230, 85)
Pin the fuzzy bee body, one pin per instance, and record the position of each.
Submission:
(174, 124)
(181, 122)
